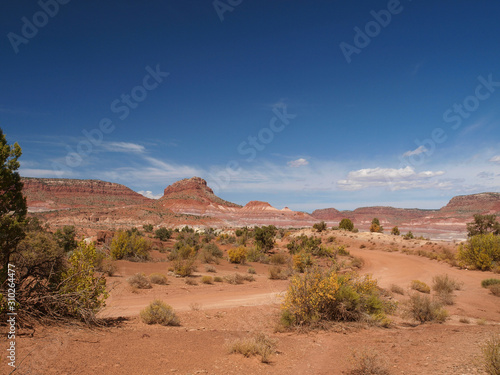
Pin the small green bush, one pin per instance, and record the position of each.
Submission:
(395, 231)
(148, 228)
(158, 278)
(487, 282)
(420, 286)
(163, 234)
(481, 252)
(346, 224)
(251, 270)
(184, 267)
(320, 227)
(158, 312)
(218, 279)
(139, 281)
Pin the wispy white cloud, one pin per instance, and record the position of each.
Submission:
(149, 194)
(46, 173)
(298, 163)
(495, 159)
(417, 151)
(123, 147)
(396, 179)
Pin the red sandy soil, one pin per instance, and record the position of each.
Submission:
(214, 315)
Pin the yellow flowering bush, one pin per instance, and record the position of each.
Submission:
(237, 254)
(328, 296)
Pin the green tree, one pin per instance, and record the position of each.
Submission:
(483, 224)
(264, 237)
(346, 224)
(148, 228)
(12, 203)
(66, 237)
(163, 233)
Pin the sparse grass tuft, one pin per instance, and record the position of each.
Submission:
(139, 281)
(443, 284)
(397, 289)
(210, 268)
(487, 282)
(190, 281)
(464, 320)
(368, 363)
(423, 309)
(207, 280)
(277, 273)
(420, 286)
(251, 270)
(491, 355)
(278, 258)
(158, 278)
(495, 289)
(260, 344)
(158, 312)
(218, 279)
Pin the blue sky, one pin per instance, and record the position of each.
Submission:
(302, 104)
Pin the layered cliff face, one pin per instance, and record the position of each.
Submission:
(468, 205)
(193, 196)
(44, 194)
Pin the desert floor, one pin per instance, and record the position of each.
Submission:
(214, 315)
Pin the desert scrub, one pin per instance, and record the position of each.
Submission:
(480, 252)
(397, 289)
(251, 270)
(487, 282)
(422, 308)
(237, 278)
(218, 279)
(329, 296)
(184, 267)
(277, 273)
(368, 363)
(445, 284)
(210, 268)
(130, 245)
(302, 261)
(260, 344)
(158, 278)
(237, 254)
(278, 258)
(139, 281)
(491, 355)
(207, 280)
(158, 312)
(495, 289)
(420, 286)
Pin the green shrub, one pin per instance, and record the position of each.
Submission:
(158, 312)
(342, 251)
(346, 224)
(210, 268)
(329, 296)
(218, 279)
(158, 278)
(264, 237)
(260, 344)
(66, 237)
(491, 355)
(487, 282)
(148, 228)
(395, 231)
(422, 308)
(483, 224)
(163, 234)
(83, 293)
(139, 281)
(207, 280)
(251, 270)
(409, 236)
(130, 245)
(254, 254)
(420, 286)
(320, 227)
(481, 251)
(237, 254)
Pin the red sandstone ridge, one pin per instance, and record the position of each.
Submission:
(44, 194)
